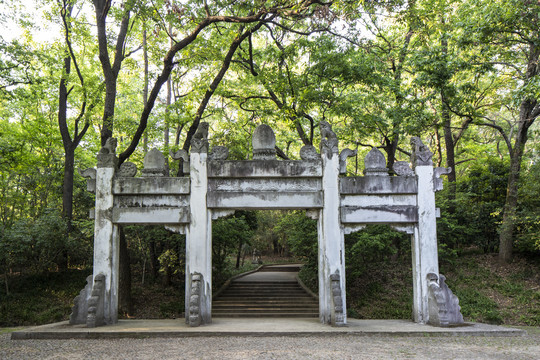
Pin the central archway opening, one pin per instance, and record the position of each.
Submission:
(379, 276)
(264, 255)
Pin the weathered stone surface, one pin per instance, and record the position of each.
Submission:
(265, 184)
(329, 140)
(218, 153)
(378, 185)
(444, 309)
(402, 168)
(379, 214)
(375, 163)
(151, 215)
(264, 200)
(264, 143)
(127, 169)
(364, 200)
(155, 164)
(421, 155)
(151, 185)
(151, 201)
(308, 152)
(79, 311)
(268, 168)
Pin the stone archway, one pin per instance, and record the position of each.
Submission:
(216, 187)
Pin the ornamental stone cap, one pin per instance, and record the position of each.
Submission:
(375, 163)
(154, 164)
(264, 143)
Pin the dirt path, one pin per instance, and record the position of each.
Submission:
(316, 347)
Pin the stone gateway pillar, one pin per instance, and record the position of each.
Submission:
(332, 306)
(103, 302)
(199, 236)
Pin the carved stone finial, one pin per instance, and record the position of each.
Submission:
(127, 169)
(375, 163)
(218, 153)
(264, 143)
(402, 168)
(329, 140)
(308, 152)
(199, 141)
(154, 164)
(90, 175)
(345, 153)
(421, 155)
(444, 309)
(180, 154)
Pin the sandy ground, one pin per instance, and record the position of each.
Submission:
(301, 347)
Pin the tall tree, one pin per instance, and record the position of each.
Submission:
(511, 29)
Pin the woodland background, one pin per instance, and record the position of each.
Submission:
(463, 75)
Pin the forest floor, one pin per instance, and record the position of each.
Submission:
(488, 292)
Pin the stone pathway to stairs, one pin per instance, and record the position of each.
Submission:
(272, 291)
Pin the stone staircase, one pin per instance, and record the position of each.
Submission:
(271, 292)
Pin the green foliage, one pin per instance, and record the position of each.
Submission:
(40, 298)
(473, 217)
(228, 235)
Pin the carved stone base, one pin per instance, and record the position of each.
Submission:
(444, 309)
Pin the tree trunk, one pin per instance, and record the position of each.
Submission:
(528, 112)
(510, 205)
(239, 254)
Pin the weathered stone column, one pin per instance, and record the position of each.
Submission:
(424, 246)
(199, 236)
(104, 309)
(332, 306)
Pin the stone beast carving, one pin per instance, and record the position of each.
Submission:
(421, 155)
(95, 303)
(444, 309)
(329, 140)
(109, 147)
(195, 318)
(199, 141)
(79, 311)
(337, 299)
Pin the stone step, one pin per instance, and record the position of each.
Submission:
(267, 314)
(280, 269)
(266, 298)
(263, 304)
(235, 297)
(240, 300)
